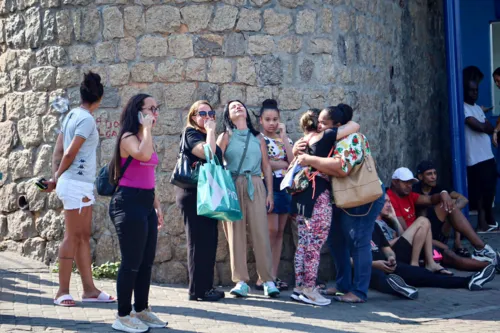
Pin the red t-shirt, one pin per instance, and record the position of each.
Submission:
(404, 207)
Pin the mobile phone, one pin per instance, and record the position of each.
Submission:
(140, 117)
(39, 183)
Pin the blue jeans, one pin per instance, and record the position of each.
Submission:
(350, 236)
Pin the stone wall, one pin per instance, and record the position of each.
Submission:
(383, 57)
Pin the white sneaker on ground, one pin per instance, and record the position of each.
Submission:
(486, 254)
(129, 324)
(478, 280)
(312, 296)
(297, 291)
(149, 318)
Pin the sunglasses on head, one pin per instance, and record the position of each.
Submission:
(205, 113)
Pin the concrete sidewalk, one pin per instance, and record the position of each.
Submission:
(28, 287)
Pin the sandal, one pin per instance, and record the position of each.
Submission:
(348, 298)
(102, 298)
(321, 285)
(281, 285)
(463, 252)
(59, 301)
(330, 292)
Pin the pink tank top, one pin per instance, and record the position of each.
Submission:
(140, 174)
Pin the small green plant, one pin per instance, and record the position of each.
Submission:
(109, 270)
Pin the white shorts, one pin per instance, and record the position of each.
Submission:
(72, 192)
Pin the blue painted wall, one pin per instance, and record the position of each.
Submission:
(475, 28)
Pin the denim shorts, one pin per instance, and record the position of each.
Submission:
(72, 192)
(282, 200)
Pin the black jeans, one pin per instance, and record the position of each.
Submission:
(416, 277)
(136, 223)
(482, 181)
(202, 237)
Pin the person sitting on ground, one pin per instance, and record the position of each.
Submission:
(408, 244)
(441, 223)
(393, 277)
(404, 201)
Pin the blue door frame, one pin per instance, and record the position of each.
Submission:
(455, 96)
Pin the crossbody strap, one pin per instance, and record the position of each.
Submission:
(244, 153)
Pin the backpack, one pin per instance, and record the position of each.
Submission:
(104, 187)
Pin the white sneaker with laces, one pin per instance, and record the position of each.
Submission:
(129, 324)
(312, 296)
(149, 318)
(485, 254)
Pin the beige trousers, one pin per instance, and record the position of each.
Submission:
(255, 217)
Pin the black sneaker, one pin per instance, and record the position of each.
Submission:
(209, 296)
(478, 280)
(218, 292)
(399, 285)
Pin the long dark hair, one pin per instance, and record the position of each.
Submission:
(228, 124)
(129, 123)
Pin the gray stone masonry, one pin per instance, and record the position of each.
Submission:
(385, 58)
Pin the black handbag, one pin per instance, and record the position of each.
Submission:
(184, 175)
(102, 184)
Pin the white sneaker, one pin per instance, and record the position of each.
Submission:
(312, 296)
(149, 318)
(297, 291)
(486, 254)
(129, 324)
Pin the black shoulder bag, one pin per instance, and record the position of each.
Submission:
(184, 176)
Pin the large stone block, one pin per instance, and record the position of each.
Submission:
(233, 2)
(179, 95)
(42, 166)
(142, 72)
(134, 21)
(42, 78)
(4, 169)
(224, 19)
(259, 3)
(9, 195)
(291, 3)
(51, 55)
(107, 248)
(292, 44)
(260, 44)
(306, 21)
(220, 70)
(81, 54)
(127, 49)
(245, 72)
(34, 248)
(14, 31)
(235, 44)
(33, 27)
(4, 230)
(306, 70)
(4, 83)
(320, 45)
(249, 20)
(232, 91)
(113, 23)
(8, 137)
(255, 95)
(164, 250)
(162, 19)
(36, 198)
(270, 70)
(181, 46)
(153, 46)
(208, 45)
(209, 92)
(19, 80)
(290, 98)
(14, 103)
(67, 77)
(50, 126)
(64, 27)
(196, 17)
(50, 3)
(21, 164)
(171, 122)
(171, 70)
(21, 225)
(105, 52)
(30, 131)
(91, 30)
(276, 23)
(171, 272)
(48, 26)
(118, 74)
(196, 69)
(2, 30)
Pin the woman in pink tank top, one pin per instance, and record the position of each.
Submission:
(136, 213)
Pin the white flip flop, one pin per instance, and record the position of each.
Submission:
(59, 301)
(102, 298)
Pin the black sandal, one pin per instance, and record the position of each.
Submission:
(281, 285)
(463, 252)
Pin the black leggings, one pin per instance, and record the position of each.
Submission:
(202, 237)
(416, 277)
(136, 223)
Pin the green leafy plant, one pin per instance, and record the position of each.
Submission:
(109, 270)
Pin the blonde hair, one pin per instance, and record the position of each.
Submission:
(192, 111)
(309, 120)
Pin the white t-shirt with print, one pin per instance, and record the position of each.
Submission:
(477, 144)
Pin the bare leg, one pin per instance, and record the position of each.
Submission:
(278, 243)
(416, 235)
(451, 259)
(67, 250)
(458, 241)
(460, 224)
(273, 224)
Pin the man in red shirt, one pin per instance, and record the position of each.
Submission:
(404, 202)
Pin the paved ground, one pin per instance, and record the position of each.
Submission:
(27, 289)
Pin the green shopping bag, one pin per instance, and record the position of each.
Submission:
(217, 197)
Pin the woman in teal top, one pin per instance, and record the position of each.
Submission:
(245, 154)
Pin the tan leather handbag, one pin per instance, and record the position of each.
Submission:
(360, 187)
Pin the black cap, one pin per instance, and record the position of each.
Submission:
(424, 166)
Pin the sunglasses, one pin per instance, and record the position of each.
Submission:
(205, 113)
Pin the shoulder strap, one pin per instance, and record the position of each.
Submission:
(244, 153)
(125, 166)
(183, 141)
